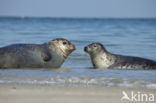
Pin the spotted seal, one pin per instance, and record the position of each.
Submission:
(48, 55)
(101, 58)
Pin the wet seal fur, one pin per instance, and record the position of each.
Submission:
(101, 58)
(47, 55)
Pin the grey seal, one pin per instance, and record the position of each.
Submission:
(101, 58)
(47, 55)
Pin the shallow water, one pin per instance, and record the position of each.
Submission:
(135, 37)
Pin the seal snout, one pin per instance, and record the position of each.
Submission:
(73, 47)
(88, 48)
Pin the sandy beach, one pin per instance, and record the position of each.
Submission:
(53, 94)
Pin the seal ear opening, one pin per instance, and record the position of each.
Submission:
(102, 47)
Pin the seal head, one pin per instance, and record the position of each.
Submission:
(94, 48)
(63, 46)
(98, 55)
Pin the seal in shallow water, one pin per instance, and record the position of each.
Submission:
(101, 58)
(47, 55)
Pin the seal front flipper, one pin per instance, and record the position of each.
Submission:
(46, 56)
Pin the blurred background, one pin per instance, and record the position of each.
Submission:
(79, 8)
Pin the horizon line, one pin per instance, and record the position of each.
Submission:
(65, 17)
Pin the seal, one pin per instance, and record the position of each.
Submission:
(101, 58)
(47, 55)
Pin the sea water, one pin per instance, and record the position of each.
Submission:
(134, 37)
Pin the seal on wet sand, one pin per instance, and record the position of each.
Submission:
(101, 58)
(47, 55)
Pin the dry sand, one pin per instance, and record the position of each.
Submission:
(52, 94)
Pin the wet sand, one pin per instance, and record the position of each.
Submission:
(53, 94)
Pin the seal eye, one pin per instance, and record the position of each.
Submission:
(95, 46)
(64, 43)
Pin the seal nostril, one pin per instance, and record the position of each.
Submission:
(85, 48)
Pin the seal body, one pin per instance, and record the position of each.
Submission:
(101, 58)
(47, 55)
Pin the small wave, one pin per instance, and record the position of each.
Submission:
(85, 82)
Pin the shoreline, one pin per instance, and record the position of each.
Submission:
(59, 94)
